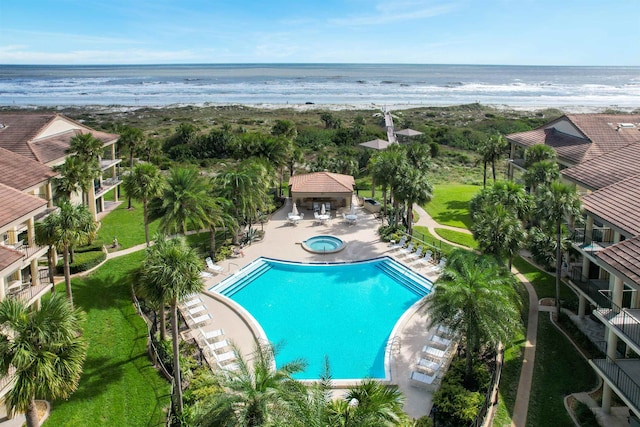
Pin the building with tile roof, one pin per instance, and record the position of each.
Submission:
(600, 154)
(45, 139)
(312, 189)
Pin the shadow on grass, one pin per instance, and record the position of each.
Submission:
(457, 211)
(100, 293)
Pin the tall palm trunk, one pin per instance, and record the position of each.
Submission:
(384, 206)
(212, 242)
(67, 273)
(493, 169)
(484, 176)
(177, 380)
(32, 414)
(146, 221)
(163, 322)
(52, 272)
(558, 265)
(131, 171)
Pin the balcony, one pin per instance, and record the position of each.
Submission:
(622, 375)
(624, 321)
(28, 251)
(107, 163)
(591, 288)
(592, 242)
(107, 184)
(27, 294)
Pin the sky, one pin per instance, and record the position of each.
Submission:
(514, 32)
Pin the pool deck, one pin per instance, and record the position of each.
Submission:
(282, 241)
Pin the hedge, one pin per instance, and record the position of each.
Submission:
(83, 261)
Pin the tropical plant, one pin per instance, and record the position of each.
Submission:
(219, 215)
(252, 395)
(491, 149)
(143, 184)
(476, 298)
(130, 138)
(554, 204)
(171, 269)
(184, 200)
(538, 153)
(87, 149)
(72, 225)
(498, 232)
(412, 186)
(45, 350)
(541, 174)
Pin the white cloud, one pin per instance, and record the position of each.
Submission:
(18, 55)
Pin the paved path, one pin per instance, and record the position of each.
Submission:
(425, 220)
(521, 407)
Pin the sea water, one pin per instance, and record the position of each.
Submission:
(345, 84)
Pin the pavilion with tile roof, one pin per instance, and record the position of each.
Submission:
(322, 187)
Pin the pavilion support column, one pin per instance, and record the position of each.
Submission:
(49, 194)
(92, 202)
(35, 277)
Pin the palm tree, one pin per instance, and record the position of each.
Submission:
(413, 186)
(368, 403)
(540, 174)
(72, 225)
(71, 173)
(175, 267)
(87, 149)
(507, 193)
(554, 204)
(130, 138)
(498, 231)
(183, 201)
(144, 183)
(254, 394)
(475, 298)
(538, 153)
(491, 149)
(218, 215)
(384, 166)
(45, 347)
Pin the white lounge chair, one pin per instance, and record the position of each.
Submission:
(444, 331)
(394, 246)
(218, 345)
(424, 260)
(438, 267)
(423, 378)
(434, 352)
(200, 319)
(423, 363)
(224, 357)
(414, 256)
(212, 334)
(212, 266)
(437, 339)
(192, 302)
(407, 250)
(197, 309)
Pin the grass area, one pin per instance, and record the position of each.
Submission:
(119, 385)
(450, 204)
(127, 225)
(557, 365)
(458, 237)
(545, 283)
(423, 234)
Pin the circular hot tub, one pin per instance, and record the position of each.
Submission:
(323, 244)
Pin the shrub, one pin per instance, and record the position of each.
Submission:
(83, 261)
(423, 422)
(586, 418)
(223, 253)
(456, 406)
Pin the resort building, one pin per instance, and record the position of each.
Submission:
(600, 154)
(30, 146)
(312, 190)
(45, 139)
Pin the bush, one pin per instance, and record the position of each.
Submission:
(456, 406)
(83, 261)
(424, 422)
(586, 418)
(223, 253)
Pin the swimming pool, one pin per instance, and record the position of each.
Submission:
(345, 312)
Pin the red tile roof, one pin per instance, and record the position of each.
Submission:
(623, 257)
(15, 204)
(21, 172)
(8, 256)
(617, 204)
(322, 182)
(602, 134)
(607, 169)
(19, 133)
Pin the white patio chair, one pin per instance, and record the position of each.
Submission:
(415, 255)
(211, 266)
(407, 250)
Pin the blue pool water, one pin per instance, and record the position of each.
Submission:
(343, 311)
(323, 244)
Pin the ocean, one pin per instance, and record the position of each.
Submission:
(571, 88)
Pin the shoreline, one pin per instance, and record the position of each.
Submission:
(302, 107)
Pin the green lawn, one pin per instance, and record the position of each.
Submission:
(423, 234)
(450, 204)
(127, 225)
(559, 370)
(544, 283)
(463, 239)
(119, 385)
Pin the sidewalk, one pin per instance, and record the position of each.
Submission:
(425, 220)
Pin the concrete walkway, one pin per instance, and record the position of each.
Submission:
(426, 220)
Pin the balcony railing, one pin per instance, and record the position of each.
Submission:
(28, 292)
(592, 288)
(27, 250)
(592, 241)
(626, 384)
(107, 184)
(107, 163)
(626, 320)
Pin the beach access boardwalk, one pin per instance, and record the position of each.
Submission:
(388, 123)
